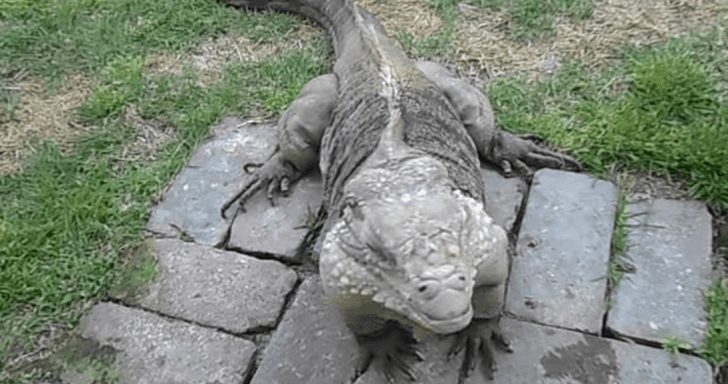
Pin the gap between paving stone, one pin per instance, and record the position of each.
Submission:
(309, 328)
(558, 276)
(217, 288)
(191, 204)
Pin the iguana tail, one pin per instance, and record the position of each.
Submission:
(337, 16)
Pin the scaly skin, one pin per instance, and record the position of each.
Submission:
(407, 239)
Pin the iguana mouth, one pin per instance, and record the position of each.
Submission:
(449, 312)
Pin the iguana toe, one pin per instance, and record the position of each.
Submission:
(275, 174)
(393, 349)
(480, 338)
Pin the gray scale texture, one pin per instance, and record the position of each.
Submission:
(152, 349)
(503, 197)
(556, 356)
(669, 243)
(434, 369)
(559, 273)
(217, 288)
(280, 229)
(192, 202)
(311, 345)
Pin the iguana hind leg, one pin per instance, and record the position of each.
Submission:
(300, 129)
(501, 148)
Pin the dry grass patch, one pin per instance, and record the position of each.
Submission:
(210, 56)
(411, 16)
(483, 34)
(40, 114)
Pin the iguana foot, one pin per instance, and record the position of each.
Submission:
(479, 337)
(276, 174)
(522, 153)
(393, 348)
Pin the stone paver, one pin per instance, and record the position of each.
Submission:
(152, 349)
(191, 204)
(669, 243)
(278, 230)
(217, 288)
(559, 273)
(503, 196)
(311, 345)
(558, 279)
(549, 355)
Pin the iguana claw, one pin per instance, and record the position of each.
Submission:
(479, 337)
(522, 153)
(392, 347)
(276, 174)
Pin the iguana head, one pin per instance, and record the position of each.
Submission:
(404, 237)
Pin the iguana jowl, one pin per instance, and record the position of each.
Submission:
(407, 240)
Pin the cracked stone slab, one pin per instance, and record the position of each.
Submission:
(559, 273)
(153, 349)
(669, 244)
(223, 289)
(311, 345)
(503, 196)
(278, 230)
(192, 202)
(549, 355)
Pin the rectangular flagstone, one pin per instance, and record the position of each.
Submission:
(669, 244)
(559, 273)
(311, 345)
(549, 355)
(278, 230)
(153, 349)
(222, 289)
(191, 204)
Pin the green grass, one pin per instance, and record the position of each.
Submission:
(661, 109)
(715, 346)
(617, 266)
(50, 37)
(534, 18)
(440, 42)
(68, 221)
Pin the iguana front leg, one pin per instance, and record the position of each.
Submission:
(300, 129)
(501, 148)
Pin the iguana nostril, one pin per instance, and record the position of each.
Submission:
(422, 288)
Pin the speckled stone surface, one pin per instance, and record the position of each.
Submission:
(554, 356)
(153, 349)
(311, 345)
(191, 204)
(669, 244)
(278, 230)
(559, 272)
(217, 288)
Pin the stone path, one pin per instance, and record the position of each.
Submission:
(235, 302)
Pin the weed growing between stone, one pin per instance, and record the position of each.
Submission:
(715, 346)
(617, 266)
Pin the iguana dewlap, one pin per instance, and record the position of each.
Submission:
(398, 143)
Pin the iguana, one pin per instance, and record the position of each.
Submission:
(407, 248)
